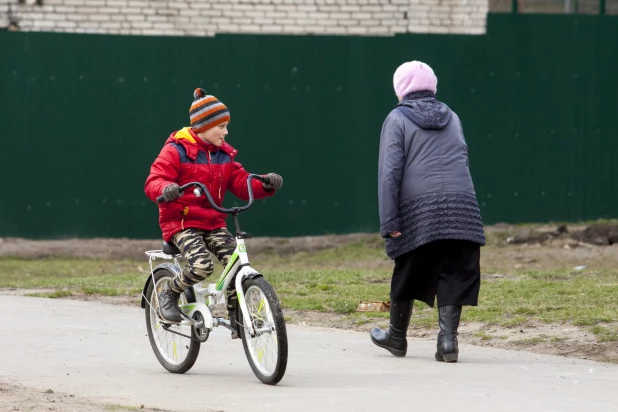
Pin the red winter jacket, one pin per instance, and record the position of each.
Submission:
(187, 158)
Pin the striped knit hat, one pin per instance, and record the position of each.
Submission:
(207, 111)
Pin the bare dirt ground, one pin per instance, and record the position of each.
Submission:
(541, 247)
(19, 398)
(550, 339)
(551, 247)
(529, 247)
(104, 248)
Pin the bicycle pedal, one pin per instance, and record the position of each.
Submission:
(164, 322)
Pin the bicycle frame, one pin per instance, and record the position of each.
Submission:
(238, 266)
(215, 293)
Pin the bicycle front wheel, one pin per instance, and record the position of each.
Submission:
(267, 351)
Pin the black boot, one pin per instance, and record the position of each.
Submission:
(168, 305)
(394, 339)
(448, 350)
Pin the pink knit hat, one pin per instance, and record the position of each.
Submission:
(414, 76)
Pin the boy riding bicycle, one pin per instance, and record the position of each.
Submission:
(199, 153)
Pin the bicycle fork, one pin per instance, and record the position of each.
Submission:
(248, 325)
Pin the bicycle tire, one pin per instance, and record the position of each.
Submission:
(193, 348)
(280, 332)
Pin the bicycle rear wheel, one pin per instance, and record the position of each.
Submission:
(267, 351)
(175, 353)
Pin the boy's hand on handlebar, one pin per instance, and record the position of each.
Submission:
(171, 192)
(274, 181)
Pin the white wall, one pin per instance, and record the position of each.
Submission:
(207, 18)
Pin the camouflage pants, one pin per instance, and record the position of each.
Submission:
(195, 245)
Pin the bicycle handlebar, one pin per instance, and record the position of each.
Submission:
(218, 208)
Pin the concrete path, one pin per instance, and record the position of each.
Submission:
(102, 352)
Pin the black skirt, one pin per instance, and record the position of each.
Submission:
(448, 269)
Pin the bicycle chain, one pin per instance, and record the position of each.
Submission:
(167, 329)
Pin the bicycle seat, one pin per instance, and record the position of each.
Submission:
(170, 249)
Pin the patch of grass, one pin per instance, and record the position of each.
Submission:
(605, 334)
(337, 280)
(72, 276)
(369, 316)
(522, 310)
(370, 249)
(511, 322)
(483, 336)
(101, 291)
(590, 321)
(58, 294)
(533, 341)
(334, 290)
(578, 297)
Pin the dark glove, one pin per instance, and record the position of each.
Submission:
(273, 181)
(171, 192)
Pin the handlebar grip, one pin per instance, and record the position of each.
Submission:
(161, 199)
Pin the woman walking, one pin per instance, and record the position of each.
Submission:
(429, 213)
